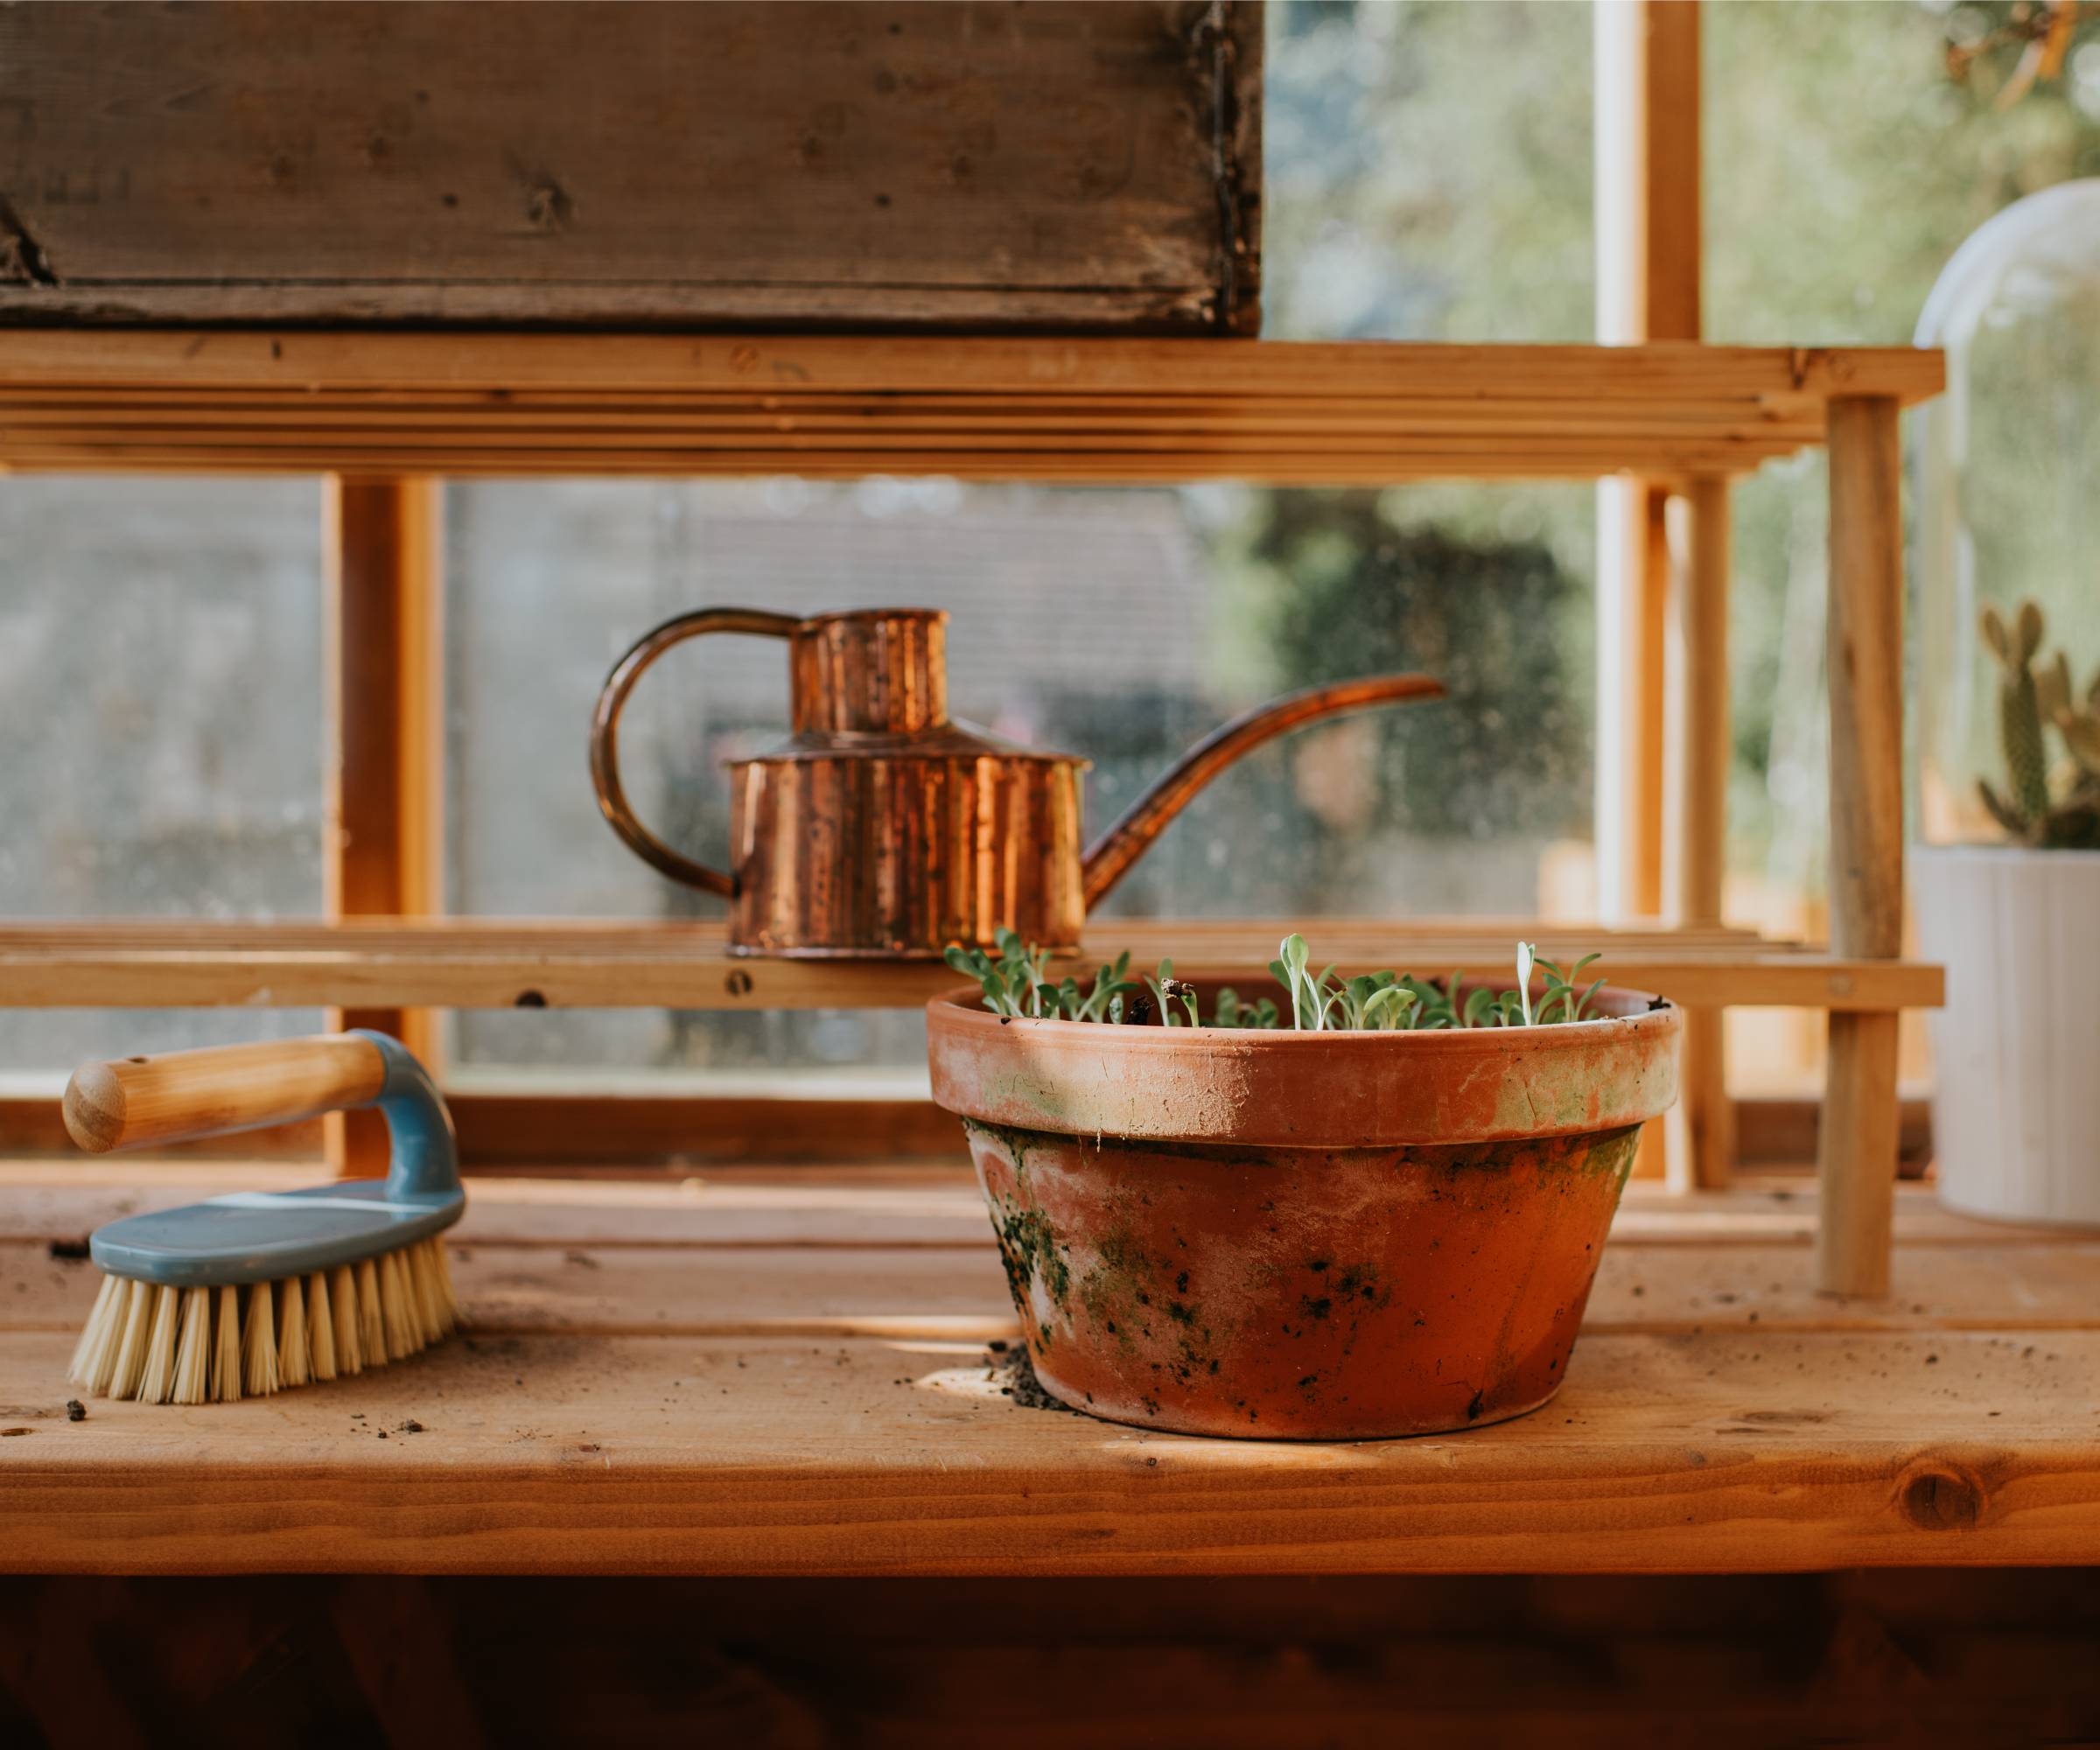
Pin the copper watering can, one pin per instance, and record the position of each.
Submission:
(883, 829)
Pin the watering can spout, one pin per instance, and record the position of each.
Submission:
(1111, 857)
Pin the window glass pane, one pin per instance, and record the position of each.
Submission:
(1119, 624)
(160, 704)
(1843, 167)
(1427, 172)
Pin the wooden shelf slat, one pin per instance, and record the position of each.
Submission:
(502, 963)
(1098, 411)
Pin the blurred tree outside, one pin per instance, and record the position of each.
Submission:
(1350, 586)
(1428, 169)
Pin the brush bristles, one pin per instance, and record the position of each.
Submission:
(225, 1349)
(371, 1326)
(404, 1334)
(130, 1365)
(295, 1365)
(157, 1385)
(95, 1354)
(259, 1344)
(423, 1286)
(193, 1358)
(321, 1324)
(343, 1311)
(163, 1345)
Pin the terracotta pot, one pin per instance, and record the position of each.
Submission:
(1302, 1235)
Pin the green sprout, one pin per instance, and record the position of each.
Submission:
(1016, 985)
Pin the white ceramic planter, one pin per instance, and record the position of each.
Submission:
(2016, 1050)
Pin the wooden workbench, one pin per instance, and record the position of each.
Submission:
(784, 1372)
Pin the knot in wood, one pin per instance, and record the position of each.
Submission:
(1941, 1497)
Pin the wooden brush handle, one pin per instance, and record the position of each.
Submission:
(180, 1095)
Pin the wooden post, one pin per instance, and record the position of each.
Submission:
(1702, 1150)
(1647, 102)
(1856, 1164)
(386, 713)
(1647, 62)
(1633, 608)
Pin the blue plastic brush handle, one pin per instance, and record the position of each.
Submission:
(426, 1153)
(265, 1235)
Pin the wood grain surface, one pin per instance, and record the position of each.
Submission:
(787, 1373)
(1101, 409)
(1864, 662)
(1052, 164)
(465, 963)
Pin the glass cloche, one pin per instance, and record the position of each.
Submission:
(2008, 500)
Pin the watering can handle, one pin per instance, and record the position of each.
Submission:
(605, 733)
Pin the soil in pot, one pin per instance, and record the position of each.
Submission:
(1304, 1260)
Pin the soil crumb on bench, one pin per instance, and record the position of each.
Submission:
(1014, 1369)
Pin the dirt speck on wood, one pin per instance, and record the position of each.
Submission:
(1014, 1371)
(75, 1411)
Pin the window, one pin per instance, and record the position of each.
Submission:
(1122, 624)
(160, 702)
(1428, 176)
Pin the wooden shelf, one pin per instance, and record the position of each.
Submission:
(1127, 411)
(480, 963)
(781, 1372)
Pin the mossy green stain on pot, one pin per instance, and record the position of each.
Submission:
(1028, 1244)
(1013, 1140)
(1257, 1292)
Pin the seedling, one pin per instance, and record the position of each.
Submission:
(1015, 985)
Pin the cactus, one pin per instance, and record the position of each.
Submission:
(2053, 811)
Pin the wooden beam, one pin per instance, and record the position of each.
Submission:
(1103, 410)
(578, 1131)
(386, 716)
(780, 368)
(1857, 1162)
(1672, 234)
(1702, 1150)
(1646, 76)
(1065, 164)
(1648, 165)
(682, 1132)
(504, 962)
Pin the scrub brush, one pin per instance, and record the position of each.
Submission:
(257, 1292)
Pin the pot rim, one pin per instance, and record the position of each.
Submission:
(1282, 1089)
(1642, 1017)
